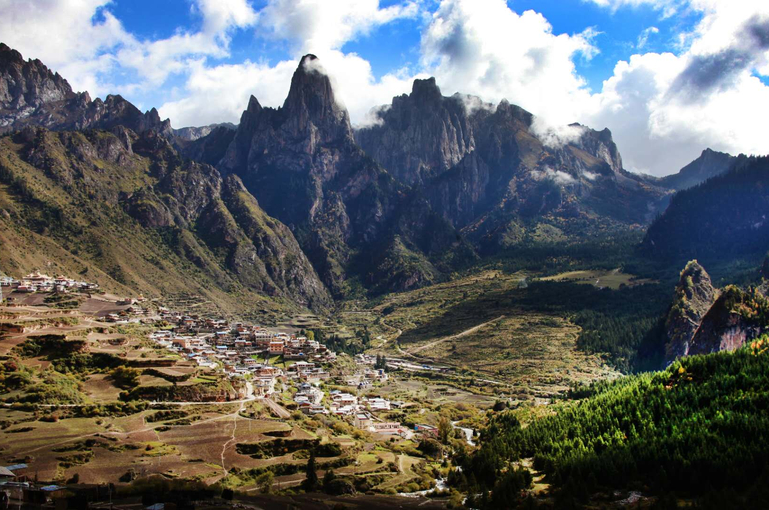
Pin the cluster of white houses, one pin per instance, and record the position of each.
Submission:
(39, 282)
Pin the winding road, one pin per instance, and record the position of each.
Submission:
(458, 335)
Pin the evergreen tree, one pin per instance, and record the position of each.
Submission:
(311, 482)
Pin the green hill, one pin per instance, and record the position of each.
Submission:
(697, 430)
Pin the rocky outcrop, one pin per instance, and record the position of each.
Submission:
(709, 164)
(32, 95)
(703, 320)
(694, 296)
(192, 133)
(735, 319)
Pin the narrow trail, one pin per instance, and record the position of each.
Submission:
(395, 339)
(235, 416)
(453, 337)
(279, 410)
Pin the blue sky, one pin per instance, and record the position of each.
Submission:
(653, 71)
(390, 46)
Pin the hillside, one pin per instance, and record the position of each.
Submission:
(718, 221)
(127, 211)
(694, 430)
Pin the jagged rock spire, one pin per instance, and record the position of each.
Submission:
(311, 106)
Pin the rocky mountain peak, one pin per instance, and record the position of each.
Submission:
(253, 105)
(426, 90)
(33, 95)
(709, 164)
(311, 105)
(28, 84)
(601, 145)
(9, 55)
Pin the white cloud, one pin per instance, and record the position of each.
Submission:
(219, 16)
(556, 135)
(484, 48)
(220, 93)
(320, 25)
(644, 37)
(83, 41)
(663, 109)
(666, 7)
(556, 176)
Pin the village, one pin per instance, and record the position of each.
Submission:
(198, 377)
(272, 363)
(254, 354)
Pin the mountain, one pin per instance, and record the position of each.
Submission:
(127, 211)
(719, 220)
(709, 164)
(32, 95)
(354, 221)
(192, 133)
(493, 175)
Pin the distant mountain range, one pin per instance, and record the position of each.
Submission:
(293, 203)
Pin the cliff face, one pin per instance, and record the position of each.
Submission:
(736, 318)
(303, 165)
(694, 296)
(421, 135)
(491, 173)
(130, 211)
(32, 95)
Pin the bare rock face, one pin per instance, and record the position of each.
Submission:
(694, 297)
(421, 135)
(32, 95)
(25, 85)
(736, 318)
